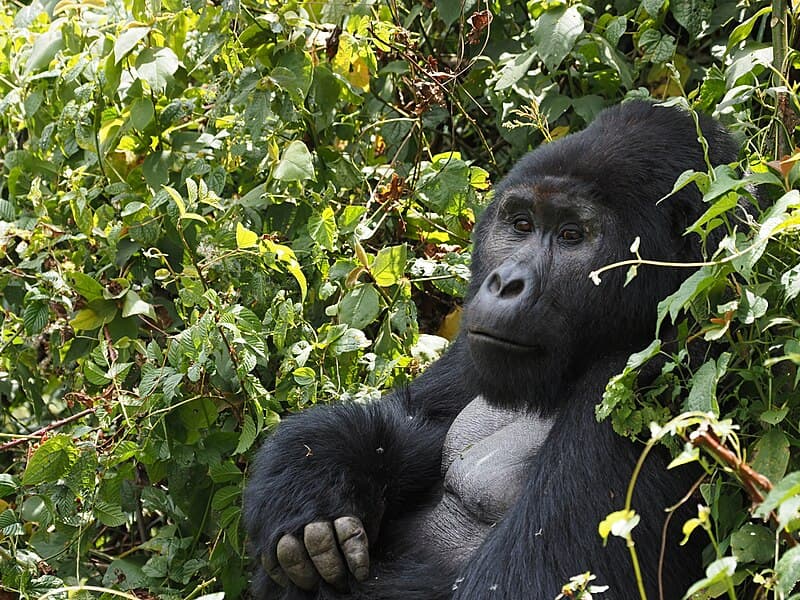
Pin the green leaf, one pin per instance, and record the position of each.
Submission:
(52, 460)
(95, 374)
(293, 73)
(774, 416)
(201, 413)
(296, 164)
(86, 286)
(694, 285)
(8, 485)
(450, 10)
(753, 543)
(360, 306)
(751, 307)
(693, 15)
(790, 281)
(782, 491)
(703, 390)
(742, 31)
(108, 514)
(155, 168)
(788, 570)
(45, 47)
(247, 436)
(614, 30)
(142, 113)
(225, 472)
(131, 208)
(653, 7)
(555, 34)
(322, 228)
(389, 265)
(97, 314)
(771, 455)
(225, 496)
(126, 574)
(127, 40)
(35, 316)
(156, 66)
(133, 305)
(8, 518)
(718, 576)
(656, 47)
(515, 69)
(350, 341)
(724, 204)
(304, 376)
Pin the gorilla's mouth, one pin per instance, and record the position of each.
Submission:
(484, 337)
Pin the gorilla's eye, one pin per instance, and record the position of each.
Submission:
(571, 233)
(523, 225)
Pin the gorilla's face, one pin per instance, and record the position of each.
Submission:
(533, 307)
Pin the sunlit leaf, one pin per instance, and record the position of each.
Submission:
(244, 237)
(296, 163)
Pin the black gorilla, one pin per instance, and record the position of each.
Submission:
(488, 476)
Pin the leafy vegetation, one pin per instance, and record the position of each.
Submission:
(212, 214)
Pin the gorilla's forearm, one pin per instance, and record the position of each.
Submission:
(378, 453)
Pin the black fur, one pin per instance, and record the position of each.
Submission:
(381, 462)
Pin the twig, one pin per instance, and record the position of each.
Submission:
(754, 482)
(670, 513)
(40, 432)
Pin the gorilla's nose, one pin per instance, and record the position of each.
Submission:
(507, 288)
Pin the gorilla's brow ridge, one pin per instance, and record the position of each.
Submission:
(553, 201)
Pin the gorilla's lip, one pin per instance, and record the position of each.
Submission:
(484, 336)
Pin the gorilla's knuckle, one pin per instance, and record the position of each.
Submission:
(319, 537)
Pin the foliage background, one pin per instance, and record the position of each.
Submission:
(215, 213)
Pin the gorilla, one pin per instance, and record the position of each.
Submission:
(488, 475)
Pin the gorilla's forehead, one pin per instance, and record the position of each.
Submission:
(550, 195)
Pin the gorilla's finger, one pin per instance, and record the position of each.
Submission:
(321, 545)
(355, 547)
(296, 563)
(270, 563)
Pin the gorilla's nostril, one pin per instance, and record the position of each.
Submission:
(512, 288)
(494, 284)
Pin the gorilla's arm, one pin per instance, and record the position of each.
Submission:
(371, 461)
(580, 476)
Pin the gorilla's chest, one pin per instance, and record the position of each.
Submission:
(485, 454)
(484, 459)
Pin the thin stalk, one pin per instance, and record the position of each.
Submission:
(780, 46)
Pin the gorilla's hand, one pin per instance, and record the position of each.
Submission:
(322, 484)
(328, 550)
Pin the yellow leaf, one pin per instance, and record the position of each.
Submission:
(619, 523)
(688, 528)
(244, 237)
(359, 74)
(294, 269)
(363, 258)
(176, 197)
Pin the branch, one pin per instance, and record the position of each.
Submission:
(754, 482)
(40, 432)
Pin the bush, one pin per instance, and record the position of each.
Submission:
(212, 214)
